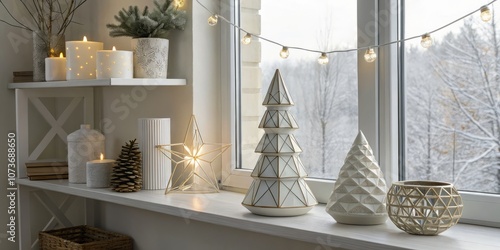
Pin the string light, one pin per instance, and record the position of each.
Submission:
(426, 41)
(485, 14)
(323, 59)
(212, 20)
(247, 39)
(370, 55)
(284, 53)
(179, 3)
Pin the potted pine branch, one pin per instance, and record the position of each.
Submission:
(149, 30)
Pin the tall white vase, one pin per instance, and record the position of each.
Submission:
(150, 57)
(156, 169)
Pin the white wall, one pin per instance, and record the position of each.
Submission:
(15, 55)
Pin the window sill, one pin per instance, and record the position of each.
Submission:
(316, 226)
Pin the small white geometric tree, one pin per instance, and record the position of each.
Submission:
(279, 188)
(359, 194)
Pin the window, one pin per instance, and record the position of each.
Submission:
(325, 96)
(452, 96)
(380, 88)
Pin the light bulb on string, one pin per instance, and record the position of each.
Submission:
(426, 41)
(323, 59)
(247, 39)
(284, 53)
(485, 14)
(370, 55)
(212, 20)
(179, 3)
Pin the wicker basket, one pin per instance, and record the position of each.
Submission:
(83, 238)
(424, 207)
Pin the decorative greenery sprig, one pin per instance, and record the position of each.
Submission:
(157, 23)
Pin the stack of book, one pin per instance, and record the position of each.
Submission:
(47, 170)
(23, 76)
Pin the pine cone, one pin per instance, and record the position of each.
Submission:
(127, 172)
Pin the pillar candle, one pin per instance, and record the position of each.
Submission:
(81, 59)
(99, 172)
(55, 68)
(114, 64)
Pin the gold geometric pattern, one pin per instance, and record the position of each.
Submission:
(278, 119)
(424, 207)
(277, 94)
(280, 193)
(284, 166)
(360, 191)
(278, 143)
(193, 171)
(278, 188)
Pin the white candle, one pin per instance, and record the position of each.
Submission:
(114, 64)
(55, 68)
(81, 59)
(99, 172)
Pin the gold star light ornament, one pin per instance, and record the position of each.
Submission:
(193, 171)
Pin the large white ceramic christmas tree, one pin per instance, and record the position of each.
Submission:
(278, 188)
(359, 194)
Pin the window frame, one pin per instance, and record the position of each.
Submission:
(380, 96)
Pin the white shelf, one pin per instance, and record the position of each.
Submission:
(317, 226)
(99, 83)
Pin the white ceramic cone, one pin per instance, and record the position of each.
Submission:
(359, 194)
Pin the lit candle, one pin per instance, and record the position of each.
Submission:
(81, 59)
(55, 68)
(99, 172)
(114, 64)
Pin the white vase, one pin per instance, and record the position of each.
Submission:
(150, 57)
(84, 145)
(156, 169)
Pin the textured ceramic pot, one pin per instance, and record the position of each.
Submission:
(150, 57)
(424, 207)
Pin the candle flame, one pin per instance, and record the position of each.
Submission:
(114, 48)
(84, 38)
(61, 55)
(102, 156)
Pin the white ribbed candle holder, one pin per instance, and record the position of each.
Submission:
(156, 169)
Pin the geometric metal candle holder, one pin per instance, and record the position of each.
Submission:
(193, 171)
(424, 207)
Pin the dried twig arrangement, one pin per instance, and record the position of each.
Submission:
(48, 17)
